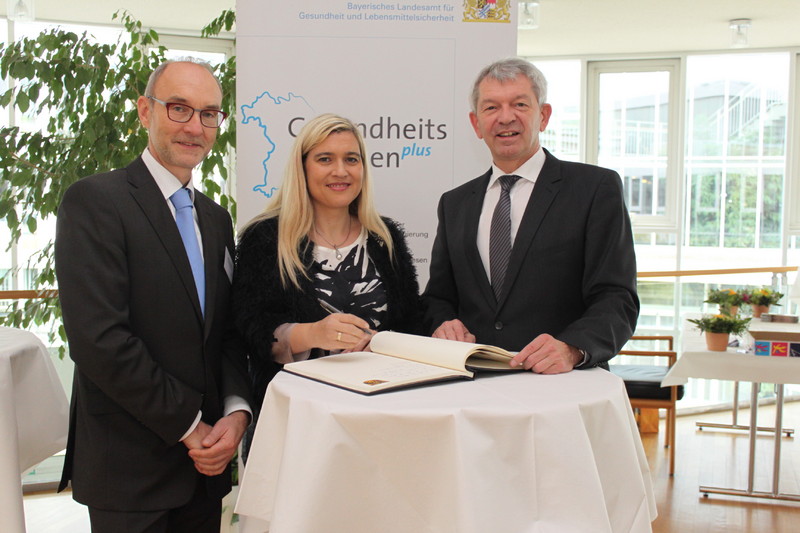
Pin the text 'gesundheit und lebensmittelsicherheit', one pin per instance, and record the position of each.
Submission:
(386, 11)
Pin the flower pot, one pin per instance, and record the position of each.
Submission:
(730, 310)
(759, 310)
(717, 342)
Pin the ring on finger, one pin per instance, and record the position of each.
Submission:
(338, 336)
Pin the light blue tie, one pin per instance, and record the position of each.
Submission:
(182, 201)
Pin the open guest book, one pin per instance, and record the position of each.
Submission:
(400, 360)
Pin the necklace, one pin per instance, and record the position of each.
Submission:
(336, 246)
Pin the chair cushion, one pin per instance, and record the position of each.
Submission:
(644, 381)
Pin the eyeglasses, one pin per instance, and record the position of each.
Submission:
(177, 112)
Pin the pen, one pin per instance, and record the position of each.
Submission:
(331, 309)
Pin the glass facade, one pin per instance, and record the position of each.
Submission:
(736, 150)
(733, 181)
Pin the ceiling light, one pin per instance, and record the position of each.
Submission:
(739, 29)
(20, 10)
(528, 15)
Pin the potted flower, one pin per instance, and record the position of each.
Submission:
(728, 300)
(718, 329)
(761, 299)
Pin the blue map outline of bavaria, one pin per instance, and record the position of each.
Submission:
(249, 116)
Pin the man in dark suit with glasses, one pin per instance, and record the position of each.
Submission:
(144, 264)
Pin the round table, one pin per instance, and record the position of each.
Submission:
(505, 452)
(34, 416)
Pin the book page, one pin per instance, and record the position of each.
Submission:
(440, 352)
(370, 372)
(476, 363)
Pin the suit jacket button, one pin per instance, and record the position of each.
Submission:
(498, 325)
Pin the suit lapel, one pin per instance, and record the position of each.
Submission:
(150, 200)
(473, 207)
(544, 192)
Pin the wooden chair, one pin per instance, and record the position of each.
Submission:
(643, 384)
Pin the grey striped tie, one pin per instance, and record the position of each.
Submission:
(500, 235)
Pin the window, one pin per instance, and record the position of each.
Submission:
(562, 136)
(19, 260)
(702, 143)
(7, 259)
(633, 129)
(736, 151)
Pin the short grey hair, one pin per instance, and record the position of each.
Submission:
(508, 70)
(153, 79)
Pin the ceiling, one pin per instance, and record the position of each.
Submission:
(181, 15)
(567, 27)
(589, 27)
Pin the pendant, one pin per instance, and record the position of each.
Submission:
(338, 254)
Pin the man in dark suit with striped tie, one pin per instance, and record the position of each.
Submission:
(160, 397)
(536, 255)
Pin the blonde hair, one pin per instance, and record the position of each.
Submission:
(292, 203)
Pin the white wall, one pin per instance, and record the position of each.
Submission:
(568, 27)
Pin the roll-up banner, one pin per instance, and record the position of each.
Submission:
(401, 70)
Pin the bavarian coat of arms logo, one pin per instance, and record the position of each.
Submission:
(487, 11)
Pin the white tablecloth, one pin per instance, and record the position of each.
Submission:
(503, 453)
(33, 417)
(732, 366)
(698, 362)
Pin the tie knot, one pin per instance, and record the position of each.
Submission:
(181, 198)
(508, 181)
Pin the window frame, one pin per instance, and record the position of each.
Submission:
(792, 217)
(675, 67)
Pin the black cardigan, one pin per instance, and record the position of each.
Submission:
(261, 303)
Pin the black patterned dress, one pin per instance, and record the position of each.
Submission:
(351, 284)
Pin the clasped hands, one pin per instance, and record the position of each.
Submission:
(543, 355)
(212, 447)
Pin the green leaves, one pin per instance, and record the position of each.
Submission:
(22, 101)
(224, 21)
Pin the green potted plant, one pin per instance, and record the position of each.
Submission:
(760, 300)
(718, 329)
(729, 300)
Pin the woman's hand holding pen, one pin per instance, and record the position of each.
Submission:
(341, 331)
(363, 340)
(363, 345)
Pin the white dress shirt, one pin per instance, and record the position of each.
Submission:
(169, 185)
(520, 194)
